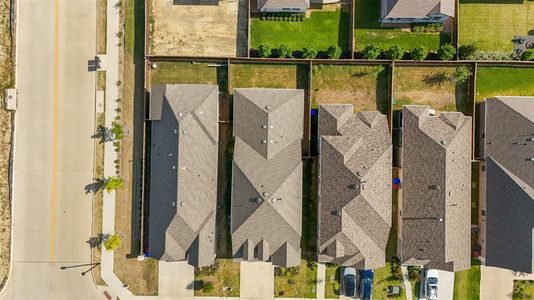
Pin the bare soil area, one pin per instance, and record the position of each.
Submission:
(6, 80)
(206, 29)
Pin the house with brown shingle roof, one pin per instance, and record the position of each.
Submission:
(399, 12)
(266, 213)
(183, 172)
(354, 215)
(435, 216)
(508, 147)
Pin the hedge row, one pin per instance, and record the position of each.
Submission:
(288, 17)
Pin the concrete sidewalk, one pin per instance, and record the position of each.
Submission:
(321, 281)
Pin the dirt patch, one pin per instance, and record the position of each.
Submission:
(209, 29)
(101, 26)
(6, 80)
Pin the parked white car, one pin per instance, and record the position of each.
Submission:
(431, 284)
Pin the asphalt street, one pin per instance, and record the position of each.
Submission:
(53, 150)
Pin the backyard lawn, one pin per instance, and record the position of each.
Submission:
(321, 30)
(433, 86)
(523, 289)
(365, 87)
(492, 24)
(224, 278)
(467, 283)
(186, 72)
(331, 289)
(289, 76)
(382, 279)
(368, 31)
(495, 81)
(296, 282)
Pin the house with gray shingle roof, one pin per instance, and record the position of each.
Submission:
(508, 147)
(266, 214)
(183, 172)
(435, 216)
(399, 12)
(354, 215)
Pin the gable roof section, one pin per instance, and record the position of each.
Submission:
(264, 4)
(436, 202)
(509, 146)
(183, 172)
(416, 9)
(267, 175)
(354, 187)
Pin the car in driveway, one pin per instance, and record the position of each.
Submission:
(349, 279)
(366, 284)
(431, 284)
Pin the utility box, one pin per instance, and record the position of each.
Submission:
(10, 99)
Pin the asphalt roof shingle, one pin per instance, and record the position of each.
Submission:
(436, 189)
(183, 172)
(267, 175)
(354, 187)
(416, 8)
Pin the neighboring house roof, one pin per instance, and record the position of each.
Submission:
(416, 9)
(436, 189)
(267, 175)
(264, 4)
(509, 150)
(354, 187)
(183, 172)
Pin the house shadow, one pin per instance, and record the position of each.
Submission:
(382, 91)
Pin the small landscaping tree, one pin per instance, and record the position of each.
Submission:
(419, 53)
(284, 51)
(466, 51)
(264, 50)
(112, 242)
(395, 52)
(112, 183)
(117, 130)
(527, 54)
(446, 52)
(414, 272)
(334, 52)
(309, 52)
(371, 51)
(461, 74)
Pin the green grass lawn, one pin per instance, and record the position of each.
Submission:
(523, 289)
(365, 87)
(495, 81)
(416, 287)
(431, 86)
(467, 283)
(382, 279)
(493, 24)
(367, 31)
(289, 76)
(296, 282)
(223, 275)
(332, 285)
(186, 72)
(321, 30)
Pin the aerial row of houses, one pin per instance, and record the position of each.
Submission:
(355, 181)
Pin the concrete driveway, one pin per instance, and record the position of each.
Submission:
(53, 150)
(257, 280)
(446, 285)
(176, 279)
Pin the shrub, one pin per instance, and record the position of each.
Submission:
(334, 52)
(207, 287)
(395, 52)
(466, 51)
(527, 54)
(117, 130)
(414, 272)
(493, 55)
(264, 50)
(284, 51)
(371, 51)
(446, 52)
(419, 53)
(461, 74)
(427, 27)
(112, 242)
(309, 52)
(112, 183)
